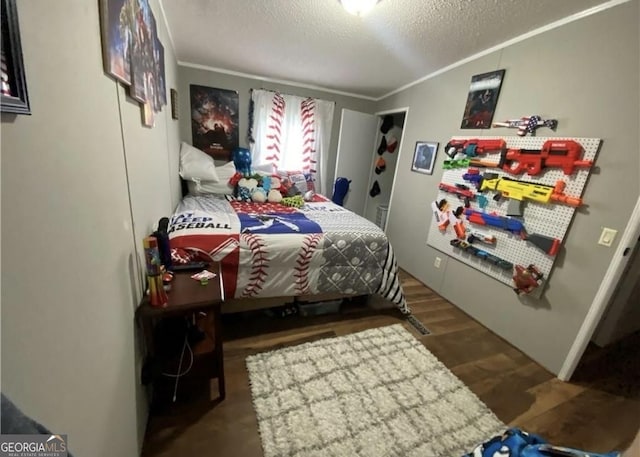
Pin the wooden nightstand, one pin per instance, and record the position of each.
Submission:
(188, 299)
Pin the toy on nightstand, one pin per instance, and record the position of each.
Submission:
(157, 294)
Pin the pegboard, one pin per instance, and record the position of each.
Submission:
(546, 219)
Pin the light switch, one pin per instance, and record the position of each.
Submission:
(607, 236)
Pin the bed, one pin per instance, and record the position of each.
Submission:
(268, 251)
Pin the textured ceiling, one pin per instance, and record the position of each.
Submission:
(317, 42)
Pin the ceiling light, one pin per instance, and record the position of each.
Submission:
(358, 7)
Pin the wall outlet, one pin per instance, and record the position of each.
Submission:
(437, 262)
(607, 236)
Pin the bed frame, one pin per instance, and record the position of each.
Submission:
(239, 305)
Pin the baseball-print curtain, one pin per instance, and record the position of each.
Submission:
(292, 133)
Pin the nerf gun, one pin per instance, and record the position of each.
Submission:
(546, 244)
(554, 154)
(473, 148)
(473, 175)
(493, 220)
(484, 255)
(478, 235)
(450, 164)
(527, 124)
(518, 191)
(444, 216)
(440, 214)
(463, 192)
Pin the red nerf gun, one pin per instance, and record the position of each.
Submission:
(563, 154)
(474, 147)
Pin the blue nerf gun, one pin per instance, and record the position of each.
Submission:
(473, 175)
(493, 220)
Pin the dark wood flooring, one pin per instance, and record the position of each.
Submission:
(598, 411)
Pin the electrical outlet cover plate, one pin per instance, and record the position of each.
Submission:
(437, 262)
(607, 236)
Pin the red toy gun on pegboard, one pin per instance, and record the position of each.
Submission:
(563, 154)
(474, 147)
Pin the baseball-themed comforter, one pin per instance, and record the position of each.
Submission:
(271, 250)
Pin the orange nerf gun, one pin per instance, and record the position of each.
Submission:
(444, 216)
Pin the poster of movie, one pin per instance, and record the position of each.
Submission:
(482, 99)
(214, 120)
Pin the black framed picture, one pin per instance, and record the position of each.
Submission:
(424, 157)
(15, 98)
(482, 99)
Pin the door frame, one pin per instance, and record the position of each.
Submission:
(373, 141)
(604, 294)
(405, 110)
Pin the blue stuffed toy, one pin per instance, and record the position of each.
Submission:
(242, 161)
(340, 190)
(518, 443)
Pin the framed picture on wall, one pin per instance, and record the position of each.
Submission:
(174, 103)
(133, 53)
(14, 84)
(115, 25)
(481, 100)
(424, 157)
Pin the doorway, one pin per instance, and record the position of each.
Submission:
(611, 283)
(368, 150)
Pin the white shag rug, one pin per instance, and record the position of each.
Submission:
(375, 393)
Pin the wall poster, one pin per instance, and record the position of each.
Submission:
(482, 99)
(214, 120)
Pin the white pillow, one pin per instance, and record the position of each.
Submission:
(209, 187)
(221, 187)
(265, 168)
(195, 165)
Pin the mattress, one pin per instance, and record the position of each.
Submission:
(271, 250)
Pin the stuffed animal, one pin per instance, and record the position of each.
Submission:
(245, 188)
(244, 194)
(274, 196)
(259, 195)
(266, 183)
(296, 201)
(276, 183)
(249, 183)
(308, 196)
(242, 161)
(340, 190)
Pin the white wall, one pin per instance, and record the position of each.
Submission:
(69, 343)
(585, 74)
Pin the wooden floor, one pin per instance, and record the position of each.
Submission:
(599, 411)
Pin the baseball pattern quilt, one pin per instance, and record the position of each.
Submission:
(271, 250)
